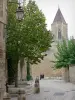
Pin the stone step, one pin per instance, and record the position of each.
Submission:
(14, 91)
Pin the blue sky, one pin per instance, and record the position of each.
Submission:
(67, 7)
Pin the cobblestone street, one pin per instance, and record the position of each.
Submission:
(52, 90)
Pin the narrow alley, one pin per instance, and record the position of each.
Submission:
(52, 90)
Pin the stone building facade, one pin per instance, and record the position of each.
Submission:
(59, 30)
(3, 14)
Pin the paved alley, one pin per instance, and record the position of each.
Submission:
(52, 90)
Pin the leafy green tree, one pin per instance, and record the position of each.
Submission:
(65, 54)
(37, 38)
(71, 47)
(28, 38)
(37, 33)
(62, 55)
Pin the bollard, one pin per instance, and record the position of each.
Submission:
(6, 96)
(36, 86)
(21, 94)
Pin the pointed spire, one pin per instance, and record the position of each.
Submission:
(59, 17)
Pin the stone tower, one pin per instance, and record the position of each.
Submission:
(59, 30)
(59, 27)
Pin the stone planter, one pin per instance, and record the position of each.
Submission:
(36, 86)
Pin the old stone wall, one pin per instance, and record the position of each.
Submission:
(72, 73)
(46, 67)
(3, 70)
(62, 27)
(69, 75)
(3, 11)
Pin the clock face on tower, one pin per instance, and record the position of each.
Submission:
(59, 34)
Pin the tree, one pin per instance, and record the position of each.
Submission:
(37, 33)
(37, 38)
(71, 47)
(62, 55)
(65, 54)
(29, 38)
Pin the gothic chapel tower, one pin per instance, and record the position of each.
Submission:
(59, 30)
(59, 27)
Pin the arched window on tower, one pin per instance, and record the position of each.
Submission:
(59, 34)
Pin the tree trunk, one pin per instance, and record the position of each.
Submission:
(16, 75)
(21, 66)
(28, 70)
(21, 72)
(66, 74)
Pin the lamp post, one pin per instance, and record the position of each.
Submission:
(19, 13)
(19, 17)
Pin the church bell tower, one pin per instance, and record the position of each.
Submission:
(59, 27)
(59, 30)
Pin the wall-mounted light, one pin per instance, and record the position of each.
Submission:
(19, 13)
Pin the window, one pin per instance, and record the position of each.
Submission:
(59, 34)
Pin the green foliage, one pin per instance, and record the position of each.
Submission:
(28, 38)
(37, 38)
(71, 46)
(65, 53)
(12, 33)
(11, 42)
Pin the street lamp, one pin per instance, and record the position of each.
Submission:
(19, 13)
